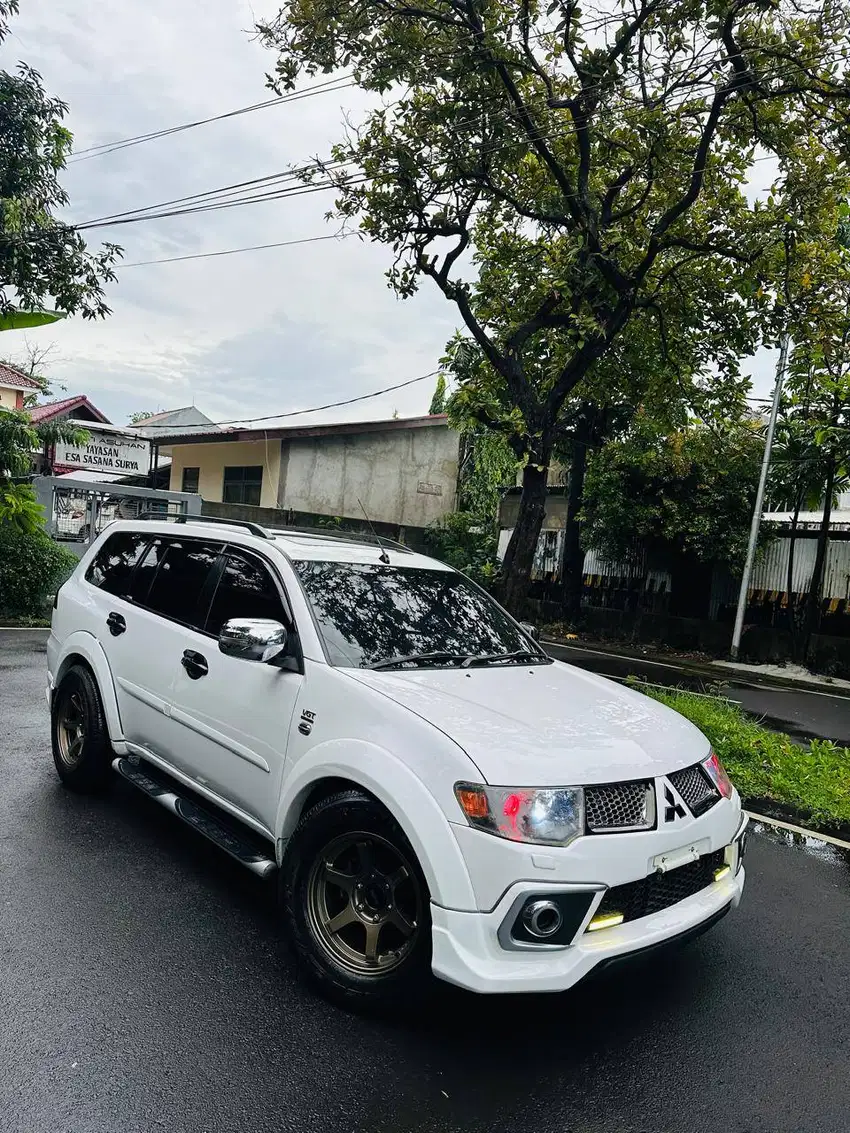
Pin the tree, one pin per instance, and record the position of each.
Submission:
(438, 401)
(42, 260)
(688, 493)
(140, 415)
(557, 173)
(19, 439)
(33, 363)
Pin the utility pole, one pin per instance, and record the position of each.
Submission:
(781, 366)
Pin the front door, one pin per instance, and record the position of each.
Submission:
(235, 716)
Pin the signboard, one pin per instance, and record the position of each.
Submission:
(107, 452)
(429, 489)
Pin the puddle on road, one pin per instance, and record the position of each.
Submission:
(823, 851)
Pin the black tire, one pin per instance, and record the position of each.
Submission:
(85, 766)
(406, 980)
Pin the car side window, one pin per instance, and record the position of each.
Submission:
(112, 567)
(246, 589)
(182, 568)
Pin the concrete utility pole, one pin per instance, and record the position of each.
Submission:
(781, 366)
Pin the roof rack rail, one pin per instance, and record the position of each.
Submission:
(346, 536)
(181, 517)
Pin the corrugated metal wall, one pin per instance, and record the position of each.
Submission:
(771, 570)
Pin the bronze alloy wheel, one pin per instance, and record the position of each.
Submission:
(364, 903)
(71, 729)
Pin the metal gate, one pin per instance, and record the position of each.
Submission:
(77, 511)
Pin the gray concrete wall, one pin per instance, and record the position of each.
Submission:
(406, 476)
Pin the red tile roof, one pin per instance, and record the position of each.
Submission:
(65, 408)
(11, 376)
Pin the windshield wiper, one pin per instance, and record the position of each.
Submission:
(419, 659)
(517, 655)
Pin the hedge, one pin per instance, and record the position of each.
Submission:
(32, 567)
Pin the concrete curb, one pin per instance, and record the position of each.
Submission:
(799, 830)
(710, 672)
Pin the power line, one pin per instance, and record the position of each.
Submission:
(315, 409)
(327, 87)
(233, 251)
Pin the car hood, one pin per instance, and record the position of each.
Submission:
(545, 725)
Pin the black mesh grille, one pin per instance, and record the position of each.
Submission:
(695, 787)
(620, 806)
(661, 890)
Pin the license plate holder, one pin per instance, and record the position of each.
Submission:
(673, 859)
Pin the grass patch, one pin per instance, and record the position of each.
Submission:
(14, 621)
(768, 766)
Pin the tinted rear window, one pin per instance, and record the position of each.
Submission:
(112, 568)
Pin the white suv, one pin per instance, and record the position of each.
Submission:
(432, 790)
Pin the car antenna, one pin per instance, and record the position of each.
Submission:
(384, 557)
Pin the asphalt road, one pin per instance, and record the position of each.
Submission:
(142, 987)
(801, 713)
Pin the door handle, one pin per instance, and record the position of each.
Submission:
(195, 664)
(116, 624)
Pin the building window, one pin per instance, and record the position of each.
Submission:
(190, 479)
(243, 485)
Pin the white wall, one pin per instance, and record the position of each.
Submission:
(9, 397)
(404, 476)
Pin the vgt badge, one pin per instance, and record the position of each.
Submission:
(673, 809)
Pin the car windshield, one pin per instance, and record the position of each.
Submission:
(372, 615)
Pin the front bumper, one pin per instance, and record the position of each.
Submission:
(475, 949)
(466, 949)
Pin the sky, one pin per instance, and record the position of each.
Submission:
(239, 336)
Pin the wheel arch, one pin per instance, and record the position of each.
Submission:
(340, 766)
(83, 649)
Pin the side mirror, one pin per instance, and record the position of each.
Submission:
(252, 639)
(532, 631)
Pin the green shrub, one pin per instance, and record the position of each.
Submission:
(457, 539)
(32, 566)
(765, 764)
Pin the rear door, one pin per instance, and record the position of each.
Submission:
(161, 590)
(235, 715)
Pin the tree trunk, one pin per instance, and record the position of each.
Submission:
(573, 576)
(813, 599)
(519, 557)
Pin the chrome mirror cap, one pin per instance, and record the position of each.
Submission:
(252, 639)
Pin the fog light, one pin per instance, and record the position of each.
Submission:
(542, 918)
(724, 871)
(605, 920)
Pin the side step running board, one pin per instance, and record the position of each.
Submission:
(223, 835)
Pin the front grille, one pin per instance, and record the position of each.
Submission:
(695, 787)
(661, 890)
(619, 806)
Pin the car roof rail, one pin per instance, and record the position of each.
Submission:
(181, 517)
(373, 539)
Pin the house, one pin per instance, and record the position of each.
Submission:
(400, 472)
(79, 408)
(14, 386)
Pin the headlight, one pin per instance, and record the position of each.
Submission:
(717, 774)
(551, 816)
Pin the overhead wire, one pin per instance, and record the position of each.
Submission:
(317, 408)
(327, 87)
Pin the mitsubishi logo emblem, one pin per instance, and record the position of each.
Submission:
(672, 810)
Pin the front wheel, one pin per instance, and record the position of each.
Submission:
(82, 750)
(356, 905)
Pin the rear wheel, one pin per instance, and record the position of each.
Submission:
(82, 751)
(356, 905)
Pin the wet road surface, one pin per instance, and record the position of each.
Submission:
(142, 987)
(802, 714)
